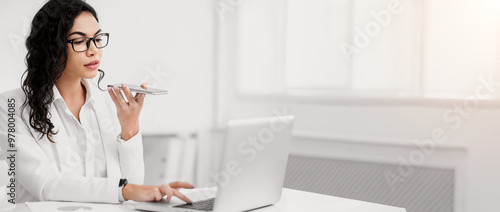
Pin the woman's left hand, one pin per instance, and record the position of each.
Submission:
(128, 112)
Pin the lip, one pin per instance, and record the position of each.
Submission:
(94, 64)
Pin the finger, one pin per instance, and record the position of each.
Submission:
(137, 95)
(180, 184)
(181, 196)
(144, 85)
(165, 189)
(119, 95)
(128, 93)
(113, 96)
(170, 193)
(157, 194)
(140, 98)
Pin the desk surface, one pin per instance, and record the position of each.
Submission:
(291, 200)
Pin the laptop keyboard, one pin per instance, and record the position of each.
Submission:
(203, 205)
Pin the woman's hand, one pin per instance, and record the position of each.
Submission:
(128, 112)
(150, 193)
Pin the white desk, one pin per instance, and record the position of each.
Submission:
(293, 200)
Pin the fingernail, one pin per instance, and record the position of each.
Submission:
(124, 86)
(115, 87)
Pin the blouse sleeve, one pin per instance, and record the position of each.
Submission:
(131, 158)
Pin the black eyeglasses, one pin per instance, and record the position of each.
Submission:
(82, 44)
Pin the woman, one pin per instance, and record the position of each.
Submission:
(72, 144)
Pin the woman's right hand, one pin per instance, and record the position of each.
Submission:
(128, 112)
(151, 193)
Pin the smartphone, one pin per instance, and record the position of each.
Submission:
(139, 89)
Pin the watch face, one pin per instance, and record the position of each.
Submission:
(123, 182)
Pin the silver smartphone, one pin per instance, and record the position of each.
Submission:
(139, 89)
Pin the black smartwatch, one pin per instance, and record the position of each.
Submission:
(123, 183)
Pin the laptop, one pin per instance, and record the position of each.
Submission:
(252, 169)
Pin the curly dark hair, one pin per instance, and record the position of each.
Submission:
(46, 58)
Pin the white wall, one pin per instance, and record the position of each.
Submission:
(369, 129)
(167, 43)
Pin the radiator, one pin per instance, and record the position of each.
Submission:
(425, 190)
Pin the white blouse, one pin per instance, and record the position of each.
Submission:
(90, 160)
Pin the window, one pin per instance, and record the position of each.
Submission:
(389, 48)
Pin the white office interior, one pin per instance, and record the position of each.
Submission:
(395, 101)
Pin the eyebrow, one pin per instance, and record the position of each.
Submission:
(83, 34)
